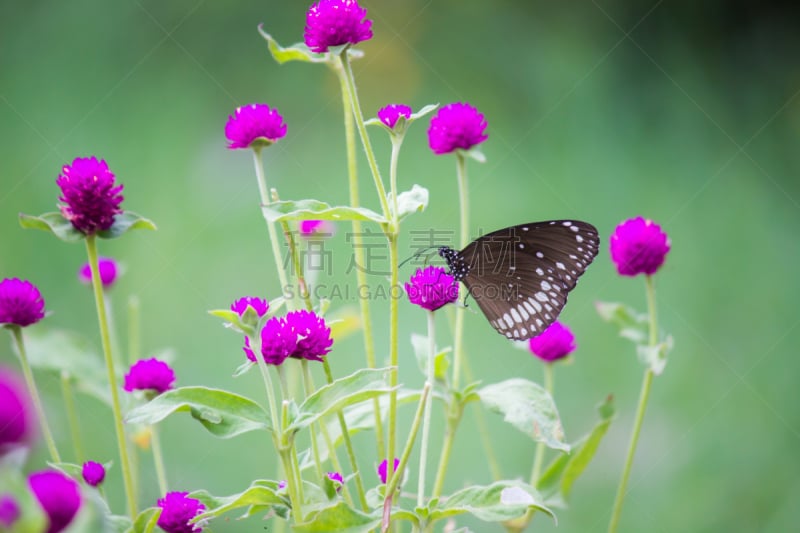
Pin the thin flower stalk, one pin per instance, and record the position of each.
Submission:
(34, 392)
(540, 447)
(329, 379)
(644, 395)
(265, 199)
(358, 245)
(393, 480)
(97, 285)
(426, 422)
(483, 429)
(158, 460)
(72, 417)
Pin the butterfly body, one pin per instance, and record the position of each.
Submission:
(520, 276)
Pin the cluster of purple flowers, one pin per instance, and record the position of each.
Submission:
(90, 195)
(432, 288)
(299, 334)
(149, 375)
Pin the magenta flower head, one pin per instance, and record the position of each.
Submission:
(431, 288)
(93, 473)
(9, 511)
(149, 375)
(254, 126)
(108, 272)
(334, 22)
(552, 344)
(176, 511)
(638, 246)
(90, 195)
(389, 114)
(312, 333)
(59, 496)
(336, 477)
(456, 126)
(21, 303)
(382, 469)
(17, 418)
(259, 305)
(278, 341)
(315, 228)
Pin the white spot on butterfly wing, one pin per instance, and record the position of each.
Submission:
(508, 320)
(545, 286)
(539, 271)
(542, 297)
(540, 255)
(515, 315)
(560, 265)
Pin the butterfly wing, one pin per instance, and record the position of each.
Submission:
(520, 276)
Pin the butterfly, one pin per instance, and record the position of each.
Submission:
(520, 276)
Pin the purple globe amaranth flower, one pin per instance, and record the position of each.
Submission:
(382, 469)
(456, 126)
(254, 126)
(17, 417)
(281, 484)
(93, 473)
(90, 195)
(315, 228)
(334, 22)
(431, 288)
(176, 511)
(312, 333)
(9, 510)
(21, 303)
(553, 343)
(59, 496)
(336, 477)
(259, 305)
(109, 270)
(149, 374)
(392, 112)
(278, 341)
(638, 246)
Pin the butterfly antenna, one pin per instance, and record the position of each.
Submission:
(417, 255)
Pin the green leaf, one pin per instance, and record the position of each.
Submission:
(119, 524)
(527, 407)
(430, 108)
(631, 324)
(261, 493)
(245, 325)
(409, 202)
(475, 154)
(557, 480)
(316, 210)
(655, 357)
(55, 223)
(338, 517)
(125, 222)
(440, 361)
(296, 52)
(146, 520)
(224, 414)
(362, 385)
(502, 500)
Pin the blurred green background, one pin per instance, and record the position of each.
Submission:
(686, 113)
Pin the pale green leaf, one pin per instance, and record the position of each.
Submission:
(357, 387)
(557, 480)
(125, 222)
(440, 360)
(315, 210)
(261, 493)
(631, 324)
(296, 52)
(338, 517)
(410, 202)
(529, 408)
(55, 223)
(224, 414)
(500, 501)
(655, 357)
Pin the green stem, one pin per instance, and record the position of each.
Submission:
(273, 237)
(453, 419)
(393, 478)
(158, 459)
(34, 392)
(640, 410)
(483, 429)
(362, 130)
(426, 423)
(134, 330)
(97, 285)
(72, 418)
(358, 244)
(308, 388)
(348, 444)
(463, 199)
(393, 348)
(540, 447)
